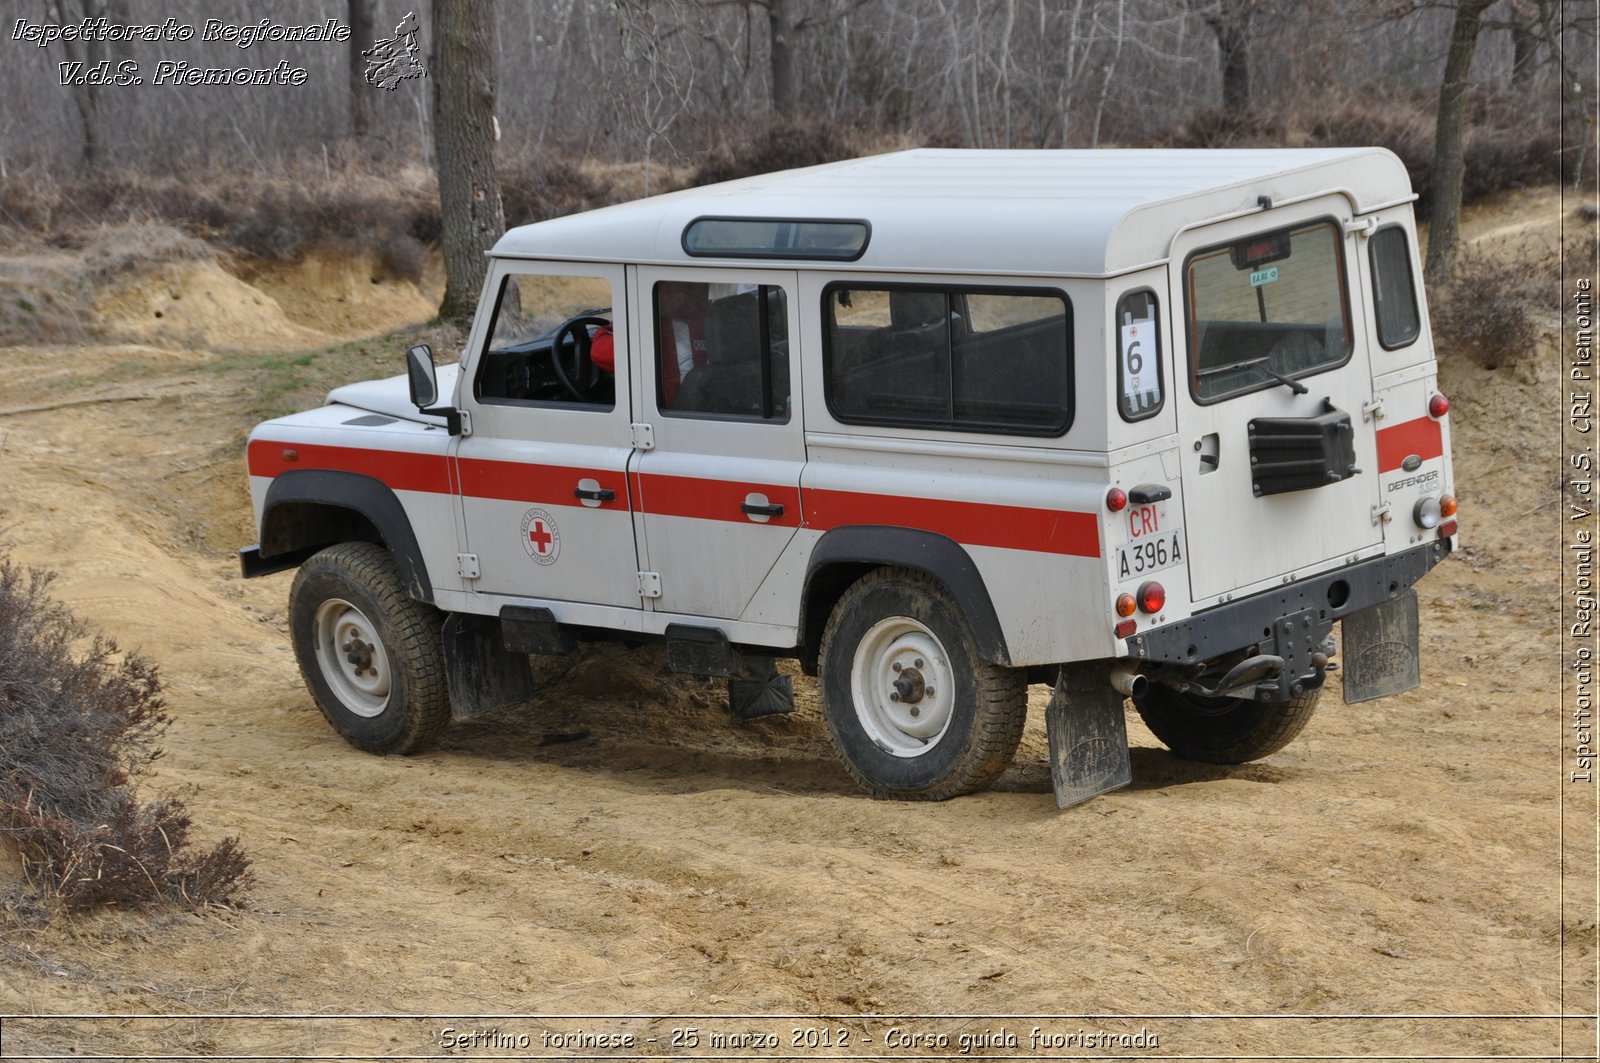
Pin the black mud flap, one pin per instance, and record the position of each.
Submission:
(480, 672)
(1088, 734)
(1380, 649)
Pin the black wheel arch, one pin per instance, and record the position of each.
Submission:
(844, 555)
(309, 509)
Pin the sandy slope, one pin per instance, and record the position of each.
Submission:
(1401, 858)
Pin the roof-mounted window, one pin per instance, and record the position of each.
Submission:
(820, 238)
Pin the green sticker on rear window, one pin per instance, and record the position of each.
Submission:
(1263, 276)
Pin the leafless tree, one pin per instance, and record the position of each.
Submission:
(465, 131)
(361, 37)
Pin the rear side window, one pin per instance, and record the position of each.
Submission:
(1272, 305)
(1139, 391)
(1394, 288)
(964, 359)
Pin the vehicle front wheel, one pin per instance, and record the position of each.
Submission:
(371, 655)
(1223, 730)
(914, 711)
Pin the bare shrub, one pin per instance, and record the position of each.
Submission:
(76, 730)
(1487, 310)
(536, 189)
(781, 145)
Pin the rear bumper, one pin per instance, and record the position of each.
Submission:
(1309, 607)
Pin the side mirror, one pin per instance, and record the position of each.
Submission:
(424, 381)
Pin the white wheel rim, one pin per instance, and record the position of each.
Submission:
(352, 657)
(903, 687)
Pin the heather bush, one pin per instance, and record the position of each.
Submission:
(80, 723)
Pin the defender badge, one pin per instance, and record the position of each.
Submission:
(540, 537)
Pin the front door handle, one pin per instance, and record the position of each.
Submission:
(752, 509)
(594, 494)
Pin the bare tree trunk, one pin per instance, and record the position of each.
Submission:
(1231, 23)
(782, 49)
(87, 56)
(1444, 219)
(361, 38)
(1523, 46)
(464, 135)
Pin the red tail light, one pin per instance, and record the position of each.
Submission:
(1438, 406)
(1152, 596)
(1116, 500)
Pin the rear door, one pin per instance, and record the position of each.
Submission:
(717, 495)
(1267, 303)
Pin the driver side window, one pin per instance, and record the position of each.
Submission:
(550, 342)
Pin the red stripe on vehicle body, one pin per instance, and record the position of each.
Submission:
(1423, 437)
(1047, 531)
(400, 470)
(972, 523)
(690, 496)
(517, 481)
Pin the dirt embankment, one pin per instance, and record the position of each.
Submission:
(1401, 858)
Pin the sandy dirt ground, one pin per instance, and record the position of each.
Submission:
(1402, 858)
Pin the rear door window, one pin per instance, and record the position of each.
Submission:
(1272, 305)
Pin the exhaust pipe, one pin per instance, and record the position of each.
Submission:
(1126, 680)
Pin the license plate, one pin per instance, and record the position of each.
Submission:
(1152, 545)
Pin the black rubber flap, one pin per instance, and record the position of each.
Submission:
(1380, 649)
(1088, 734)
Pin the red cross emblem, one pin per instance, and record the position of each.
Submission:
(540, 536)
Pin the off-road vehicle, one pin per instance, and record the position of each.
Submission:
(937, 424)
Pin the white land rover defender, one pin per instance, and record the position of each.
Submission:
(1142, 424)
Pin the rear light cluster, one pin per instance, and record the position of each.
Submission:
(1150, 599)
(1431, 512)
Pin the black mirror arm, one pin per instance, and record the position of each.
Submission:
(451, 415)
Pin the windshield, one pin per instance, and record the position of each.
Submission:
(1268, 308)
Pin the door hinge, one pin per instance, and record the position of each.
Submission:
(1361, 226)
(1380, 514)
(467, 566)
(649, 584)
(1372, 411)
(644, 436)
(466, 422)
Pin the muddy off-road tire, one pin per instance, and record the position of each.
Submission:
(371, 656)
(1223, 730)
(914, 711)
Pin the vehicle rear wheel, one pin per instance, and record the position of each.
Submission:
(371, 655)
(913, 710)
(1223, 730)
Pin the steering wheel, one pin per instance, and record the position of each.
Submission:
(583, 374)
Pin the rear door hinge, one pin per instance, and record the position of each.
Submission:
(1380, 514)
(467, 566)
(1361, 226)
(649, 584)
(1372, 411)
(644, 436)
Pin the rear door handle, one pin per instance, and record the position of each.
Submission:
(771, 509)
(594, 494)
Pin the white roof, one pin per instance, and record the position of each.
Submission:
(1048, 212)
